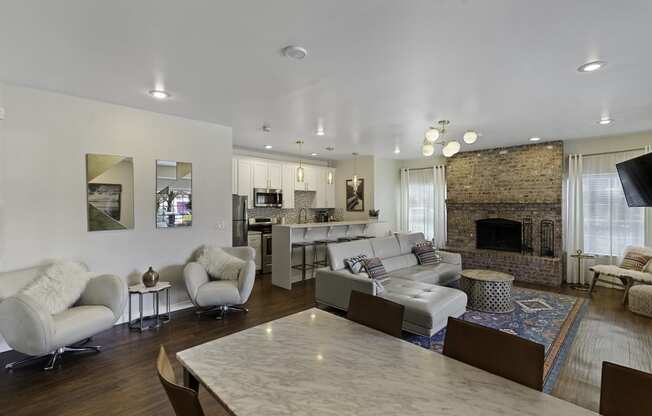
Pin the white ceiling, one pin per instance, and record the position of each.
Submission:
(377, 74)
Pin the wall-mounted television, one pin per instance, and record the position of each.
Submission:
(636, 178)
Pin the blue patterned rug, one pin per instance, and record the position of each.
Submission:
(548, 318)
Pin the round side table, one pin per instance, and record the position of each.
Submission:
(581, 256)
(488, 290)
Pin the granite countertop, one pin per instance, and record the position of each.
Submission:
(315, 363)
(328, 224)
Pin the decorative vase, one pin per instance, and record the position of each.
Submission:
(150, 277)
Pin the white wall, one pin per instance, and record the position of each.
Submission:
(364, 167)
(387, 190)
(43, 143)
(604, 144)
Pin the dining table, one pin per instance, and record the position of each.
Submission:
(318, 363)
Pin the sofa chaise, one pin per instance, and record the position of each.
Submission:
(421, 289)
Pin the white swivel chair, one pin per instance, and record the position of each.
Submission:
(29, 329)
(221, 295)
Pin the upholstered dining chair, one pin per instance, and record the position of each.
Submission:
(625, 391)
(184, 400)
(375, 312)
(497, 352)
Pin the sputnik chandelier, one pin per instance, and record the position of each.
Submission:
(435, 136)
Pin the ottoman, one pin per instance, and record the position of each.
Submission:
(640, 300)
(427, 307)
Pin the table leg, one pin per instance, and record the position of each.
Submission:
(303, 262)
(190, 381)
(140, 307)
(129, 321)
(156, 310)
(167, 301)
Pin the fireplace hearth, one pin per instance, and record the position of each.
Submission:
(499, 234)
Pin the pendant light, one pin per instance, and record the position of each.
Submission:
(300, 172)
(330, 178)
(355, 172)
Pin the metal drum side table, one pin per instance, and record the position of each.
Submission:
(488, 290)
(157, 318)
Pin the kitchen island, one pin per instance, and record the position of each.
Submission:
(284, 235)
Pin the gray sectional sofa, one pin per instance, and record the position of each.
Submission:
(421, 289)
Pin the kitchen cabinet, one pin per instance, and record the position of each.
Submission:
(330, 189)
(310, 178)
(267, 175)
(324, 192)
(246, 180)
(289, 171)
(234, 176)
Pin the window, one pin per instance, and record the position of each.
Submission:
(421, 210)
(609, 224)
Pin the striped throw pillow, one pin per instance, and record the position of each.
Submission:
(426, 254)
(635, 261)
(354, 264)
(374, 268)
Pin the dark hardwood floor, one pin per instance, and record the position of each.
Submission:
(122, 379)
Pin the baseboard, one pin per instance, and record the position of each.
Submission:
(173, 308)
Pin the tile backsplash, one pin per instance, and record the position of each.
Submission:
(301, 200)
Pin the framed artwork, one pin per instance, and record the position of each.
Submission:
(355, 197)
(105, 197)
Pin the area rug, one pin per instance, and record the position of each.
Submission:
(548, 318)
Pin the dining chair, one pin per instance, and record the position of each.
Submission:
(375, 312)
(185, 401)
(497, 352)
(625, 391)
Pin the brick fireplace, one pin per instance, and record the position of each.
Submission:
(500, 193)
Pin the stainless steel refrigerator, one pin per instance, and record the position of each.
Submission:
(240, 221)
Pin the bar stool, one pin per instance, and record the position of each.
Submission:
(303, 266)
(315, 257)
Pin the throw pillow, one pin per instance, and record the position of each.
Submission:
(635, 261)
(354, 264)
(219, 264)
(426, 254)
(375, 268)
(59, 286)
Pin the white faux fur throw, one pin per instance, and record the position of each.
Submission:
(219, 264)
(59, 287)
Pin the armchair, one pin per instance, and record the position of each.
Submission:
(221, 295)
(29, 329)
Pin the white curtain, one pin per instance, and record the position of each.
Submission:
(404, 225)
(440, 222)
(574, 218)
(421, 202)
(648, 213)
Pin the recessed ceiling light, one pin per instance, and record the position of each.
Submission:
(314, 154)
(397, 150)
(591, 66)
(535, 139)
(159, 94)
(294, 52)
(320, 131)
(268, 146)
(604, 120)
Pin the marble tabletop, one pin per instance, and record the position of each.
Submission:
(141, 288)
(315, 363)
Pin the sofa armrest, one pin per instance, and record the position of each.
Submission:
(243, 253)
(448, 257)
(106, 290)
(194, 276)
(25, 326)
(246, 280)
(334, 288)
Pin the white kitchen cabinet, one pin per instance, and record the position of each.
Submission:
(310, 177)
(246, 180)
(267, 175)
(320, 188)
(329, 189)
(275, 175)
(289, 172)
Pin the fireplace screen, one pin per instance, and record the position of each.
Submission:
(499, 234)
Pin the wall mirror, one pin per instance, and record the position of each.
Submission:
(109, 192)
(173, 194)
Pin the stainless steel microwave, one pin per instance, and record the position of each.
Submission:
(268, 198)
